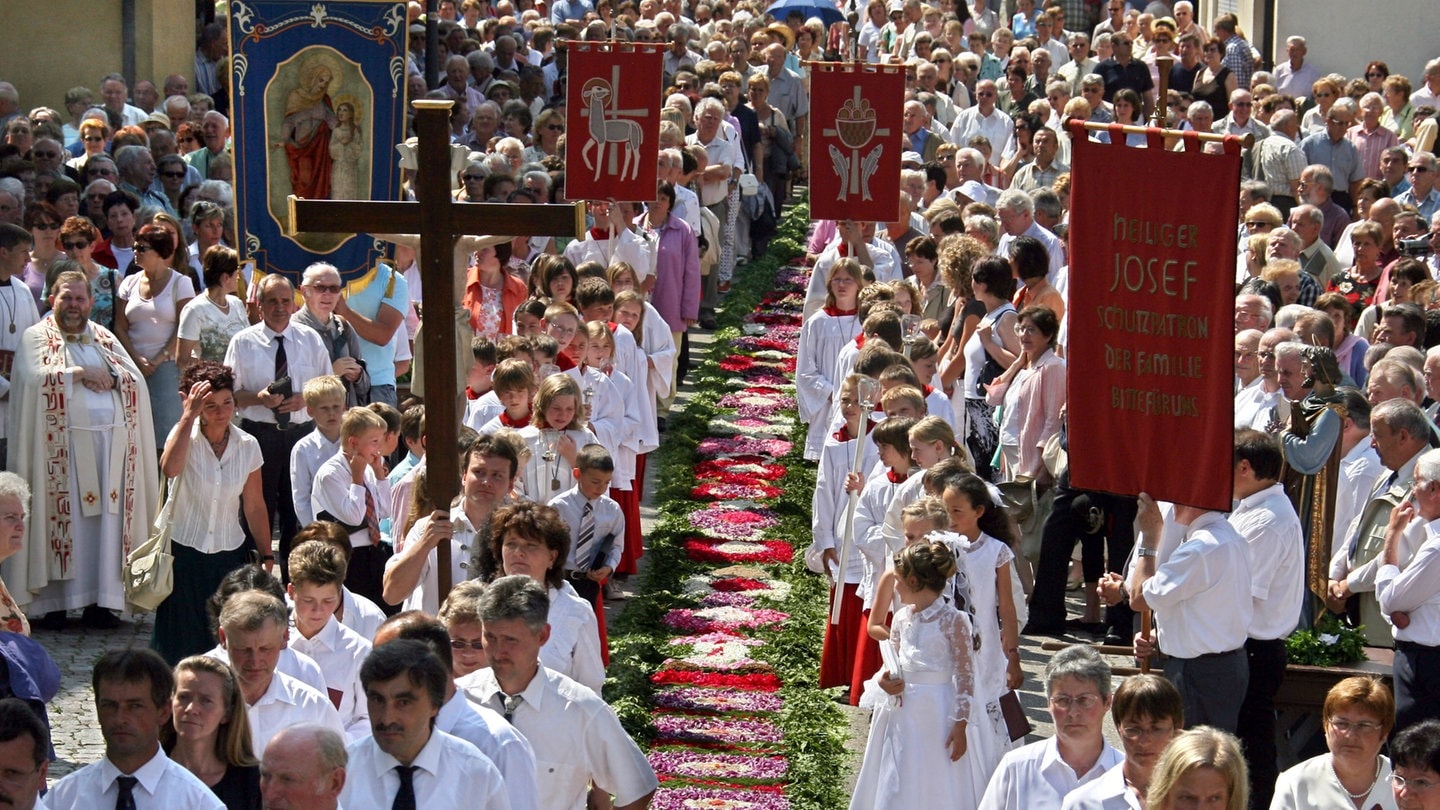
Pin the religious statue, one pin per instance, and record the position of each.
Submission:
(1311, 443)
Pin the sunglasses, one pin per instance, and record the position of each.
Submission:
(93, 139)
(173, 175)
(47, 155)
(556, 127)
(1374, 75)
(55, 226)
(325, 288)
(75, 245)
(474, 178)
(140, 249)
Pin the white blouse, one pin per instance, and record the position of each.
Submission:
(207, 514)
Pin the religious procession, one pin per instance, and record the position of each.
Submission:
(749, 457)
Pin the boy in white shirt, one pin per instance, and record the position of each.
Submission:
(351, 489)
(597, 526)
(325, 402)
(317, 570)
(514, 386)
(354, 611)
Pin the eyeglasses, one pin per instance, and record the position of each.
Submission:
(462, 644)
(1084, 702)
(47, 226)
(325, 288)
(1260, 224)
(173, 175)
(1135, 733)
(1417, 169)
(1338, 121)
(1417, 785)
(1374, 75)
(985, 94)
(74, 245)
(1240, 104)
(1341, 726)
(1241, 354)
(93, 138)
(1265, 355)
(142, 249)
(47, 155)
(1166, 40)
(474, 178)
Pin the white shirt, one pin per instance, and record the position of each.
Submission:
(487, 730)
(1269, 524)
(451, 773)
(608, 521)
(723, 150)
(251, 354)
(627, 246)
(1201, 592)
(997, 127)
(1416, 590)
(1109, 792)
(305, 459)
(1360, 471)
(360, 614)
(335, 493)
(426, 595)
(482, 409)
(286, 703)
(577, 738)
(1035, 776)
(163, 784)
(17, 308)
(887, 267)
(1313, 785)
(339, 651)
(299, 666)
(209, 489)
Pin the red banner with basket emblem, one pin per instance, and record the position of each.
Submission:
(612, 118)
(855, 141)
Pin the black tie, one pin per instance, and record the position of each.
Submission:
(282, 369)
(126, 799)
(405, 797)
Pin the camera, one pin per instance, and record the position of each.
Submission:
(1416, 247)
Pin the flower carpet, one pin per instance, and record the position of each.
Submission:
(714, 664)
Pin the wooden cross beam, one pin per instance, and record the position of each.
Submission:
(440, 220)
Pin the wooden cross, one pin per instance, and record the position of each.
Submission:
(439, 220)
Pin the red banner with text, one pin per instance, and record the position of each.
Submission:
(855, 141)
(1151, 319)
(613, 99)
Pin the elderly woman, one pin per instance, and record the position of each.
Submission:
(1032, 392)
(1200, 768)
(320, 286)
(1359, 282)
(209, 321)
(1399, 115)
(1325, 91)
(531, 539)
(1148, 714)
(207, 224)
(43, 222)
(549, 128)
(94, 137)
(516, 120)
(1077, 684)
(77, 238)
(14, 511)
(213, 466)
(1357, 716)
(209, 731)
(147, 321)
(118, 251)
(1214, 83)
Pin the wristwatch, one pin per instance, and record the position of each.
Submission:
(1147, 552)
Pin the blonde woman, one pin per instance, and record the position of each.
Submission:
(1200, 768)
(209, 731)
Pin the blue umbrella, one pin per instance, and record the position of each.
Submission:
(826, 11)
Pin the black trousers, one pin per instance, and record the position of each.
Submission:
(1257, 716)
(1063, 528)
(366, 574)
(1212, 687)
(275, 447)
(1417, 684)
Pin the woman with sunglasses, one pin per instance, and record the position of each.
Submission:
(1375, 75)
(1324, 91)
(546, 140)
(43, 223)
(209, 321)
(77, 237)
(1214, 83)
(146, 319)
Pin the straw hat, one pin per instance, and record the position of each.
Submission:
(783, 31)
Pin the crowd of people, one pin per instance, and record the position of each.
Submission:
(930, 377)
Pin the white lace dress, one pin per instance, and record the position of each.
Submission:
(907, 761)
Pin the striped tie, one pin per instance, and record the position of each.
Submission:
(372, 519)
(587, 537)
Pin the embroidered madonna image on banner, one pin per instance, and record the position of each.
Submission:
(319, 105)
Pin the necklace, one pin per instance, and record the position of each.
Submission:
(219, 447)
(1362, 794)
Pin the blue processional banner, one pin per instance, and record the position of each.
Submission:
(318, 106)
